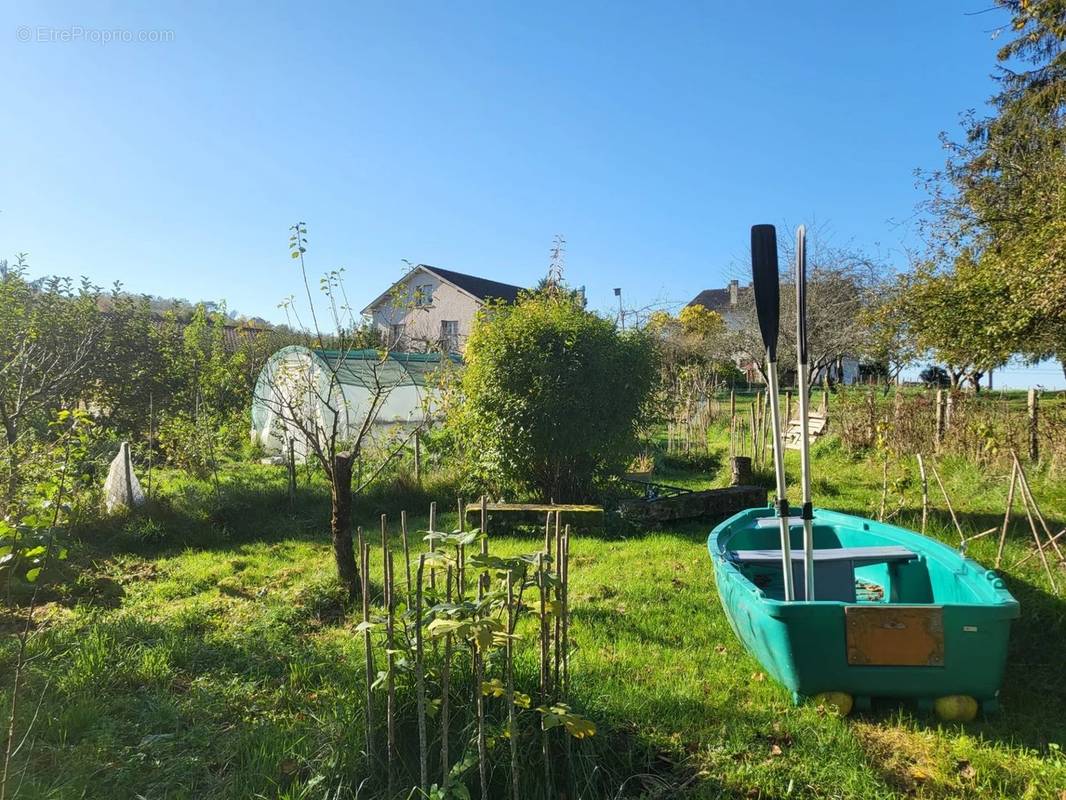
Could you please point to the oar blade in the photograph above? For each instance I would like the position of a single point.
(765, 281)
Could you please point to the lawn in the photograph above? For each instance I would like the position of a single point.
(208, 654)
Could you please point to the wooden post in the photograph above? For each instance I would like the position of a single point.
(129, 475)
(939, 418)
(925, 492)
(151, 435)
(788, 407)
(418, 458)
(1034, 441)
(292, 475)
(949, 410)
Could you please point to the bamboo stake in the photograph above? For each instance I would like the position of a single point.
(364, 555)
(479, 667)
(1039, 545)
(406, 551)
(420, 682)
(557, 624)
(390, 678)
(925, 492)
(962, 536)
(564, 602)
(1056, 537)
(1024, 481)
(754, 455)
(445, 685)
(1007, 513)
(433, 543)
(884, 489)
(542, 586)
(512, 727)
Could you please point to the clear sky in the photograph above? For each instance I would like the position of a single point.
(466, 135)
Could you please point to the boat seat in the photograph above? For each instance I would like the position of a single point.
(856, 555)
(834, 575)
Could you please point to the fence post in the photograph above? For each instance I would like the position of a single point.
(418, 459)
(939, 418)
(788, 407)
(1034, 412)
(949, 410)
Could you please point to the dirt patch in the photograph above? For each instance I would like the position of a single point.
(908, 761)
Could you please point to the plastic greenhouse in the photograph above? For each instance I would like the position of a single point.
(301, 392)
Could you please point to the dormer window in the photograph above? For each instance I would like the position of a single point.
(423, 295)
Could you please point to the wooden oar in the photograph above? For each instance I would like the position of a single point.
(801, 379)
(767, 288)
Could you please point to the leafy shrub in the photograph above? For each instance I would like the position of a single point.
(552, 398)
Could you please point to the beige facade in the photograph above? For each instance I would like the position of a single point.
(422, 312)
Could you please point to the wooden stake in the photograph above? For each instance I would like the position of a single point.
(1039, 545)
(406, 551)
(364, 551)
(1024, 481)
(545, 699)
(433, 543)
(479, 668)
(925, 492)
(939, 418)
(1034, 439)
(445, 687)
(390, 679)
(512, 726)
(1007, 513)
(420, 682)
(962, 536)
(1055, 538)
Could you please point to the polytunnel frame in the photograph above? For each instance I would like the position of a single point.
(328, 372)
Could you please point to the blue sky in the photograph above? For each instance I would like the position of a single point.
(467, 135)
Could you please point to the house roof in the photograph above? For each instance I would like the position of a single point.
(717, 299)
(479, 288)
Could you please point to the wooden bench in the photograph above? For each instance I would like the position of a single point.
(589, 516)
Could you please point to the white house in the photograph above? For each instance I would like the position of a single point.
(726, 302)
(431, 308)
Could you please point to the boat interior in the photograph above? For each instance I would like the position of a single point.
(851, 565)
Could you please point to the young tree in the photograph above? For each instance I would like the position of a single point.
(313, 408)
(552, 397)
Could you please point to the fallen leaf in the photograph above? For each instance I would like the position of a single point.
(775, 750)
(758, 676)
(720, 649)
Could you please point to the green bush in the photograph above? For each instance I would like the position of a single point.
(552, 399)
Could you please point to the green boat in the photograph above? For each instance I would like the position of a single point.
(895, 614)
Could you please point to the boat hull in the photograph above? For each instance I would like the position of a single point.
(809, 648)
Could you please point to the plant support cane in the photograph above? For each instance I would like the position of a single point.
(768, 307)
(804, 402)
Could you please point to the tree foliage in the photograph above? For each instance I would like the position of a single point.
(552, 398)
(997, 211)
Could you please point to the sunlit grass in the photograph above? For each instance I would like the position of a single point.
(227, 666)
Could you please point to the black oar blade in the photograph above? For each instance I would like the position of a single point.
(765, 282)
(801, 292)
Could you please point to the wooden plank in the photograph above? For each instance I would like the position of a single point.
(895, 635)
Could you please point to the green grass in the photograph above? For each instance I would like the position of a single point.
(208, 654)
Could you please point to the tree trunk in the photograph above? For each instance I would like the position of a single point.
(340, 523)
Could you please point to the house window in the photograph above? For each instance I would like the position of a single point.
(395, 334)
(449, 335)
(424, 294)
